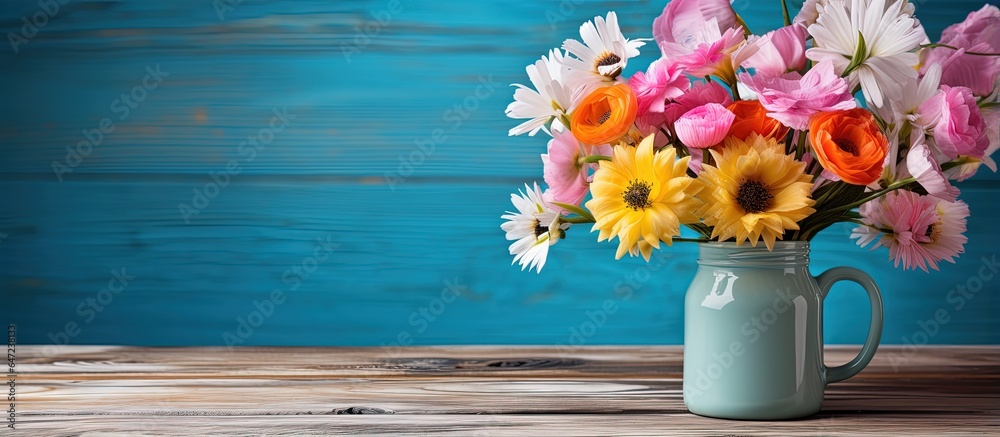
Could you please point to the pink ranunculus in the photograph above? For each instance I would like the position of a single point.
(953, 118)
(563, 171)
(792, 98)
(968, 169)
(698, 95)
(704, 126)
(980, 32)
(662, 81)
(683, 21)
(779, 51)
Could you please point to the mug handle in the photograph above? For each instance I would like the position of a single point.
(825, 281)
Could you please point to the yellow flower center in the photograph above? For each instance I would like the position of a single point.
(753, 196)
(636, 195)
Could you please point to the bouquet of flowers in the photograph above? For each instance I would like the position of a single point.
(848, 113)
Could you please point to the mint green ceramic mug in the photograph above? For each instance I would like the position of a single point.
(753, 332)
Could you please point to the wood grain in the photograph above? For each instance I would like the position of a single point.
(471, 390)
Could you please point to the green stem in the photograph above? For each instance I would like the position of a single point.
(955, 163)
(746, 29)
(596, 158)
(784, 13)
(830, 192)
(800, 149)
(702, 229)
(892, 187)
(576, 220)
(690, 240)
(789, 139)
(931, 46)
(816, 168)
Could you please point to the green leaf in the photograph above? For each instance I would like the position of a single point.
(746, 29)
(860, 55)
(576, 210)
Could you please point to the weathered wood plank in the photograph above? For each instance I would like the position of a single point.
(834, 424)
(469, 390)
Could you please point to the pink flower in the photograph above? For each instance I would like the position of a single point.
(969, 166)
(919, 231)
(792, 98)
(698, 95)
(921, 164)
(957, 125)
(652, 123)
(661, 82)
(980, 32)
(704, 126)
(712, 57)
(683, 21)
(564, 173)
(779, 51)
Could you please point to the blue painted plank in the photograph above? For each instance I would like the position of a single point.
(396, 251)
(356, 115)
(352, 122)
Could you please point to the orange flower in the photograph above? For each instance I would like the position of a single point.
(751, 117)
(849, 144)
(605, 115)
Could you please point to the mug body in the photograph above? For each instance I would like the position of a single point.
(753, 333)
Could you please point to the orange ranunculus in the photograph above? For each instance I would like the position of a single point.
(751, 117)
(849, 144)
(605, 115)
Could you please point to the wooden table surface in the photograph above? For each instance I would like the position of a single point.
(470, 390)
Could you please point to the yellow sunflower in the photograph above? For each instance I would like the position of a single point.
(642, 197)
(755, 190)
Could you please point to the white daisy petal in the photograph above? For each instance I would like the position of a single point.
(533, 228)
(549, 100)
(891, 36)
(601, 57)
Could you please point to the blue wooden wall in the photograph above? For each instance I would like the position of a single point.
(378, 188)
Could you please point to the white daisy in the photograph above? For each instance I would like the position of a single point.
(551, 99)
(810, 11)
(534, 227)
(913, 93)
(603, 54)
(890, 34)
